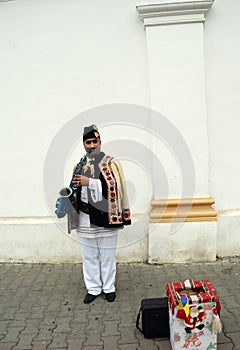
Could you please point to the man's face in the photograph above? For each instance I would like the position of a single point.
(94, 145)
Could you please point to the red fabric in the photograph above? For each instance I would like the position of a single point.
(205, 293)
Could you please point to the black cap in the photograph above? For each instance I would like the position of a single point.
(90, 132)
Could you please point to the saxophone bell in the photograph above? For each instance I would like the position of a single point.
(66, 192)
(64, 202)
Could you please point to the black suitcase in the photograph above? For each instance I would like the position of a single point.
(155, 318)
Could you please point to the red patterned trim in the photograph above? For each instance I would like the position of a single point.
(205, 293)
(114, 208)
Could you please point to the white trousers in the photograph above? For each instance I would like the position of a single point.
(99, 263)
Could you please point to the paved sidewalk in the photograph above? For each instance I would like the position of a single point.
(41, 305)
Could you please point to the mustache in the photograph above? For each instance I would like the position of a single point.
(94, 148)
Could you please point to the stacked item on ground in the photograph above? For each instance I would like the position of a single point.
(194, 310)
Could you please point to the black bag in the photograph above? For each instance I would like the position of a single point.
(155, 318)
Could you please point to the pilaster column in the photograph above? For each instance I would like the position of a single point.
(175, 44)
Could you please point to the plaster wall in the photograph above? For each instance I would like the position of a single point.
(59, 59)
(222, 54)
(184, 244)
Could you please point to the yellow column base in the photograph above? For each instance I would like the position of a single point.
(182, 209)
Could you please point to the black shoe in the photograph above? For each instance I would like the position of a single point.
(89, 298)
(110, 296)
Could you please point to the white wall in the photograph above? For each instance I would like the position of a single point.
(222, 47)
(60, 58)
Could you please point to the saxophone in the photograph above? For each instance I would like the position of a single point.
(67, 197)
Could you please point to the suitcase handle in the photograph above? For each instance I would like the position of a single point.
(138, 319)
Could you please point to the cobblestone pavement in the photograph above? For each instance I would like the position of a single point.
(41, 305)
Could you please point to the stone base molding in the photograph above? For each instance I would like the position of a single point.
(182, 209)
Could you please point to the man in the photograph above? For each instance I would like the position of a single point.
(102, 207)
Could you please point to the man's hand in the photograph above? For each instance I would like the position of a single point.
(80, 180)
